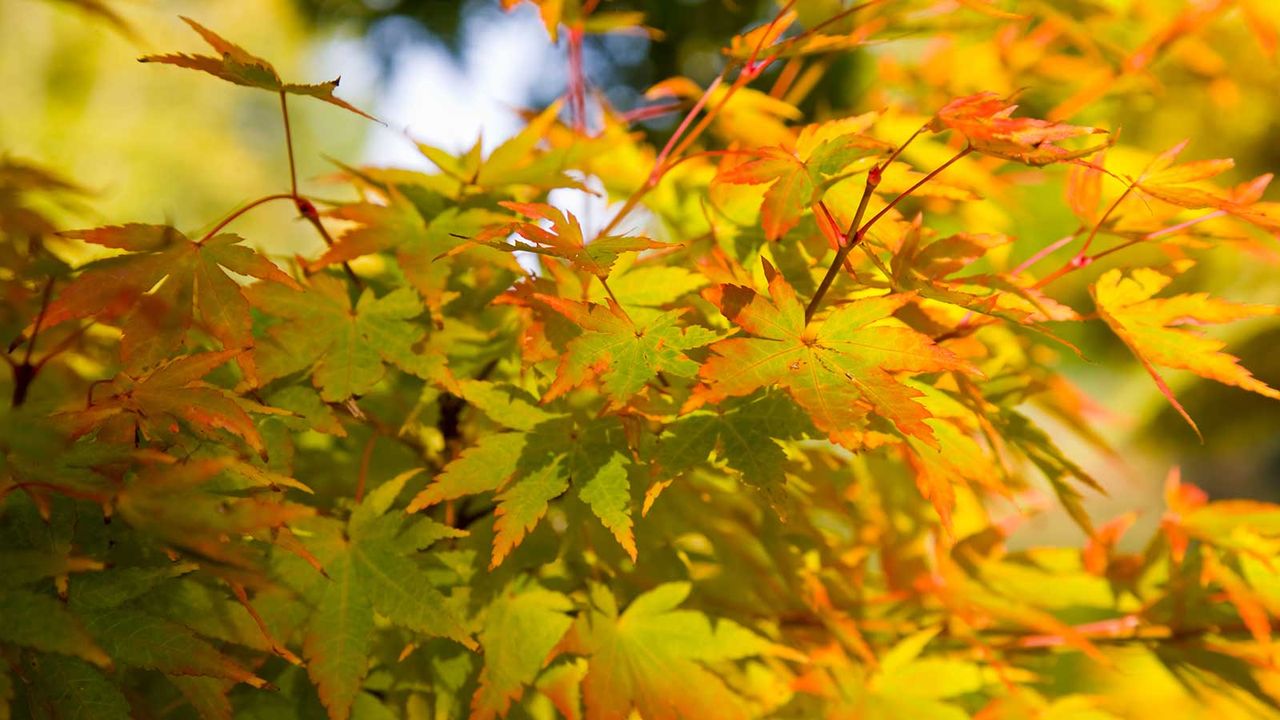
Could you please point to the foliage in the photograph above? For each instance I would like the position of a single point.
(745, 449)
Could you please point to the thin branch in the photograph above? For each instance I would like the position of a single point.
(25, 373)
(45, 296)
(906, 193)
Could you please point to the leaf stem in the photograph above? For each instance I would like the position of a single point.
(288, 143)
(615, 300)
(241, 211)
(858, 229)
(852, 238)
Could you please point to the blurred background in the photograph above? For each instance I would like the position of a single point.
(157, 144)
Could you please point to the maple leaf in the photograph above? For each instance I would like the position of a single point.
(399, 227)
(174, 503)
(113, 608)
(798, 178)
(370, 567)
(1173, 183)
(623, 355)
(550, 10)
(747, 116)
(40, 621)
(75, 690)
(984, 120)
(1055, 465)
(536, 464)
(563, 239)
(237, 66)
(1150, 327)
(839, 369)
(154, 402)
(343, 347)
(193, 286)
(653, 658)
(516, 162)
(742, 432)
(522, 627)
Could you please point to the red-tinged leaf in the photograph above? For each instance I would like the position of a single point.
(840, 369)
(378, 228)
(990, 10)
(236, 65)
(170, 501)
(789, 188)
(1099, 548)
(986, 121)
(156, 401)
(1152, 328)
(336, 645)
(1247, 601)
(194, 289)
(522, 505)
(798, 179)
(1084, 188)
(1170, 183)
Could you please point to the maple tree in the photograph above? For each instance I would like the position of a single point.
(755, 445)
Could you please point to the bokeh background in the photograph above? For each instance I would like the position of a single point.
(156, 144)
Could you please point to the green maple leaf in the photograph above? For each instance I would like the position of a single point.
(75, 690)
(344, 347)
(741, 432)
(235, 65)
(655, 659)
(370, 567)
(139, 639)
(516, 162)
(624, 356)
(39, 621)
(418, 244)
(536, 464)
(107, 604)
(194, 289)
(521, 629)
(840, 369)
(798, 177)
